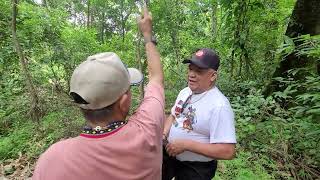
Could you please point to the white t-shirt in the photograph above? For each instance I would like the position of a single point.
(206, 118)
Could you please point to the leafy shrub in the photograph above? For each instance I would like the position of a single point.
(245, 166)
(289, 134)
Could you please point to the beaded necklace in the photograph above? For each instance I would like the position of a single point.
(102, 130)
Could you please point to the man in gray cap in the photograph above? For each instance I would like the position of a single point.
(200, 129)
(111, 147)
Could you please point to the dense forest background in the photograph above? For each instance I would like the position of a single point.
(270, 55)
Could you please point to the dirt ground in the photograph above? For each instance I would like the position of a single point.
(17, 169)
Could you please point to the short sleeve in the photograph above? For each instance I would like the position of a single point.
(222, 126)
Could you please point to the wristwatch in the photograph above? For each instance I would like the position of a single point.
(153, 40)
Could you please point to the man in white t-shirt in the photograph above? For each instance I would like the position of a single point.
(200, 129)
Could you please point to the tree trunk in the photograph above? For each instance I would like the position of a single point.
(102, 21)
(174, 26)
(124, 20)
(35, 110)
(123, 24)
(88, 14)
(214, 20)
(175, 44)
(305, 19)
(44, 3)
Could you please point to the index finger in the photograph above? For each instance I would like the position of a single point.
(145, 9)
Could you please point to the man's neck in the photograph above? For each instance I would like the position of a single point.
(202, 91)
(106, 121)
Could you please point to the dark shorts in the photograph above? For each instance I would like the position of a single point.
(187, 170)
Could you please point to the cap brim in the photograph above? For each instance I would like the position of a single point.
(136, 76)
(195, 62)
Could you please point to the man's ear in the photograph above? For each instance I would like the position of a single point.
(122, 102)
(213, 76)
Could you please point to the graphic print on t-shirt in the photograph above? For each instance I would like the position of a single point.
(189, 119)
(185, 119)
(179, 108)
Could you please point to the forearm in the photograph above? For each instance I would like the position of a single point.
(154, 64)
(153, 56)
(215, 151)
(167, 125)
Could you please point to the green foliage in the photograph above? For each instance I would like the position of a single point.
(246, 166)
(277, 135)
(289, 135)
(246, 23)
(16, 142)
(32, 139)
(308, 103)
(306, 45)
(305, 108)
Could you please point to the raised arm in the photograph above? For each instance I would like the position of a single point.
(153, 56)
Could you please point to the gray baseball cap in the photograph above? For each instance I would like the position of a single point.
(102, 79)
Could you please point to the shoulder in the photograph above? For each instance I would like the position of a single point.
(184, 91)
(153, 96)
(218, 98)
(51, 158)
(183, 94)
(55, 150)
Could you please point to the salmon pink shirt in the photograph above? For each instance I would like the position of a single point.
(133, 151)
